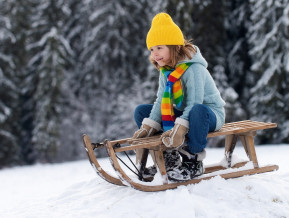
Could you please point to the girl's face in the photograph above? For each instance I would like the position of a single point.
(161, 54)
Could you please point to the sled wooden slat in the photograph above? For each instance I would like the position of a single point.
(140, 140)
(241, 127)
(150, 145)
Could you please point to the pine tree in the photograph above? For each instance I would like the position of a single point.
(75, 119)
(238, 61)
(50, 54)
(19, 13)
(9, 150)
(269, 50)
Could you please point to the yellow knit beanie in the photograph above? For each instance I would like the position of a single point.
(164, 32)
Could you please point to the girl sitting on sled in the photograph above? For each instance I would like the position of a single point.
(188, 103)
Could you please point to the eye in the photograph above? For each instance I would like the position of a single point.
(159, 47)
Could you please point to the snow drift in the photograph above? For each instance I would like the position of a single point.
(74, 190)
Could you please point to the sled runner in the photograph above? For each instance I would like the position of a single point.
(244, 130)
(89, 147)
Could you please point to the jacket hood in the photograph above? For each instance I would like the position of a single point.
(197, 58)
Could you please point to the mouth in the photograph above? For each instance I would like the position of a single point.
(159, 59)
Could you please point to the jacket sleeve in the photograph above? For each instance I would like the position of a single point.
(156, 114)
(194, 90)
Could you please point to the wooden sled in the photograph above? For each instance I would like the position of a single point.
(90, 147)
(244, 130)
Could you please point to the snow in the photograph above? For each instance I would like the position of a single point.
(74, 190)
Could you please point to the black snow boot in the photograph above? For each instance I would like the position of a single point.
(172, 160)
(149, 172)
(191, 167)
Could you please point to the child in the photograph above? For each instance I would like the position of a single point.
(188, 102)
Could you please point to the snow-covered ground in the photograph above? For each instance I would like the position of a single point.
(74, 190)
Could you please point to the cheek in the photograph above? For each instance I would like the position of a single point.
(167, 53)
(168, 56)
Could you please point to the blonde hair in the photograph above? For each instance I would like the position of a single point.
(178, 53)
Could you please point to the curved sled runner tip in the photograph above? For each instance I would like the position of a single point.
(95, 165)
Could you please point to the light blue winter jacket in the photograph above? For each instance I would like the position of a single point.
(198, 88)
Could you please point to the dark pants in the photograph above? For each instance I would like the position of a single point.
(202, 120)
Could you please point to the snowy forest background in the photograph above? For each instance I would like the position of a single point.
(69, 67)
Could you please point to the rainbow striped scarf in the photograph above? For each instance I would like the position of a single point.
(173, 93)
